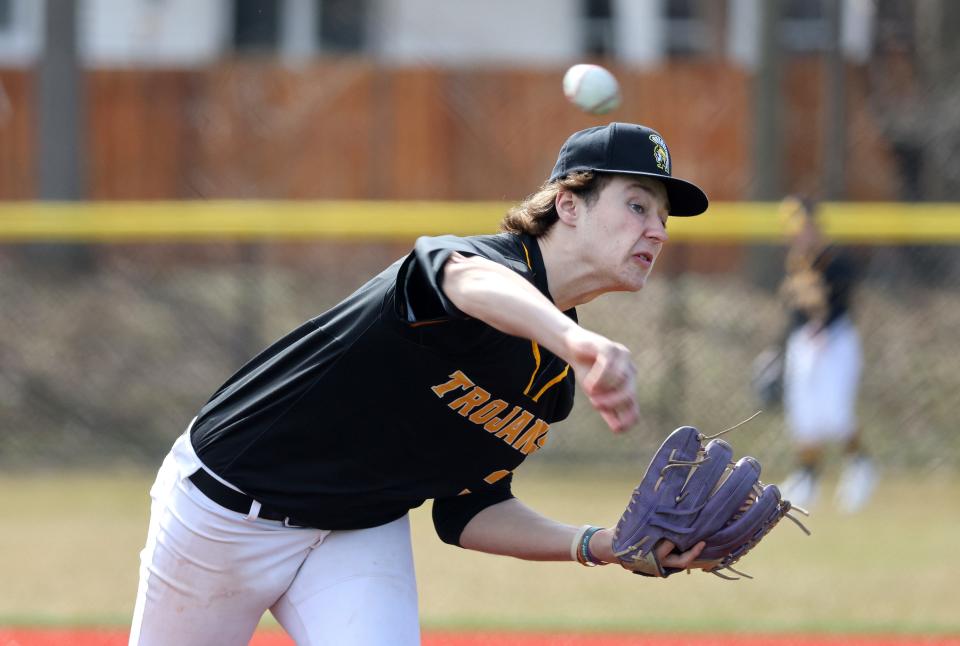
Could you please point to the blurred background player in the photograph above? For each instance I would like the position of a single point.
(822, 362)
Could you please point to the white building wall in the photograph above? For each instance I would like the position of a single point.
(170, 33)
(639, 31)
(21, 40)
(467, 32)
(743, 35)
(859, 17)
(185, 33)
(298, 42)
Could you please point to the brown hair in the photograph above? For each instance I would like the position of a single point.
(537, 214)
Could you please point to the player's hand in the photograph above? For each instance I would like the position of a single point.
(668, 558)
(607, 376)
(666, 552)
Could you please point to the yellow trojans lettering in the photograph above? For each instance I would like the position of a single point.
(517, 427)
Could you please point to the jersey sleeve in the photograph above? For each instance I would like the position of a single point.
(840, 276)
(420, 283)
(451, 515)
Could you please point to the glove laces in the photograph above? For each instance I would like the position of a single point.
(727, 430)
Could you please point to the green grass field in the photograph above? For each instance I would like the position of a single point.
(69, 546)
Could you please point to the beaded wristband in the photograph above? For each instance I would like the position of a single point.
(575, 544)
(584, 557)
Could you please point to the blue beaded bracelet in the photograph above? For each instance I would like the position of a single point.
(583, 552)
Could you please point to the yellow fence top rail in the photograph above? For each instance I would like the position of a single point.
(25, 222)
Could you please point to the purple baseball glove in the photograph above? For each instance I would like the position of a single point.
(694, 492)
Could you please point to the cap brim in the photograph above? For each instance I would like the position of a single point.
(686, 198)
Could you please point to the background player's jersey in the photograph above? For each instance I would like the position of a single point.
(818, 287)
(389, 398)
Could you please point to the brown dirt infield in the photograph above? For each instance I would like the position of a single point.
(85, 637)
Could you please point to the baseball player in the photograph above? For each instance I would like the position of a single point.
(822, 363)
(290, 489)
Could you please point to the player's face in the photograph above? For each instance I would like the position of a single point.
(624, 230)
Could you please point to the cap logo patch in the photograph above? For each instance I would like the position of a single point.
(660, 154)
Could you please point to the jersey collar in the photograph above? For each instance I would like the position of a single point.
(534, 260)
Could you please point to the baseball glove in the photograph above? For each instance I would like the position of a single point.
(694, 492)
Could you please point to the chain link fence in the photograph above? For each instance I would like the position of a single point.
(108, 350)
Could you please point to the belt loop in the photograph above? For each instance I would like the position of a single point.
(254, 512)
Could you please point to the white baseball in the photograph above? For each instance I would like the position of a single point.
(591, 88)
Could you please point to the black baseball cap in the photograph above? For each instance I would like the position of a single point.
(630, 149)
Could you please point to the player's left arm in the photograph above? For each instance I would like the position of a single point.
(510, 528)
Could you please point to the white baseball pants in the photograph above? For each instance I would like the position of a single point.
(821, 379)
(208, 574)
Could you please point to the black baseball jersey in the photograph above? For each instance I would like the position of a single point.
(831, 270)
(390, 398)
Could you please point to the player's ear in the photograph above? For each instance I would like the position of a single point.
(566, 205)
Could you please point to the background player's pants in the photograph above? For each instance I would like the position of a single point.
(208, 574)
(820, 381)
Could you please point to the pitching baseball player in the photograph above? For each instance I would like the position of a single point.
(289, 491)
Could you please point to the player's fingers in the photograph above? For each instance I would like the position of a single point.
(616, 393)
(594, 377)
(619, 399)
(612, 369)
(663, 549)
(630, 415)
(683, 560)
(619, 407)
(622, 418)
(613, 378)
(613, 421)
